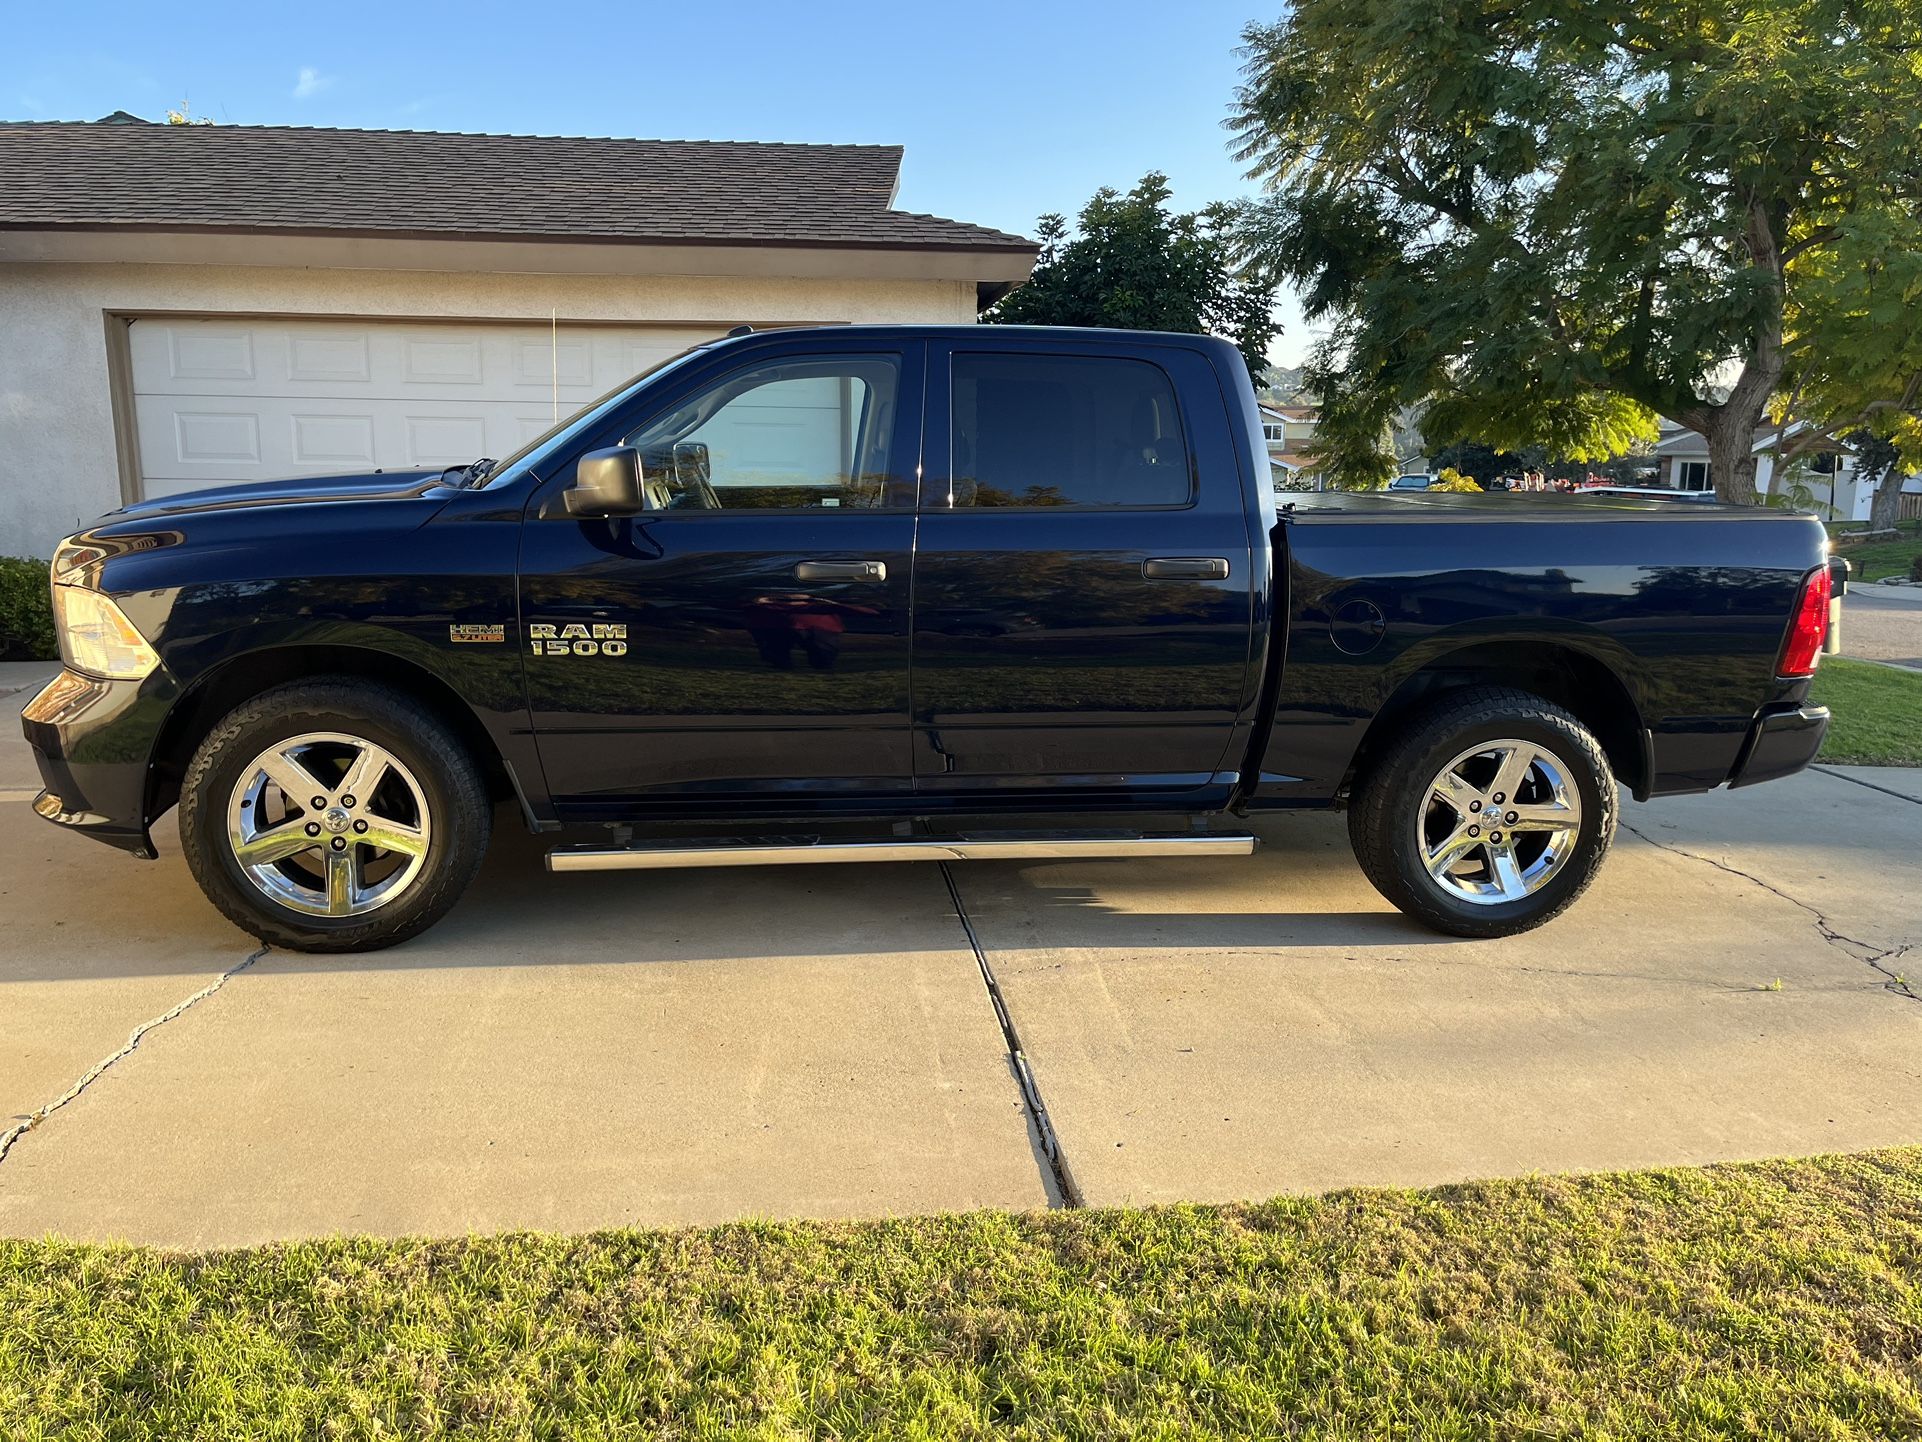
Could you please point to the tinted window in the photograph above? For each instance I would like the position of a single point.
(1065, 431)
(806, 434)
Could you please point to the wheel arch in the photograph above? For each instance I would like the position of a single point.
(240, 678)
(1568, 674)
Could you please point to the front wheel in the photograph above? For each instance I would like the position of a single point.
(1488, 817)
(335, 815)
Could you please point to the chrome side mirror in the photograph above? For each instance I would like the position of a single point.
(607, 483)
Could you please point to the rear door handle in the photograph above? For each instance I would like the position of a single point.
(1185, 568)
(841, 571)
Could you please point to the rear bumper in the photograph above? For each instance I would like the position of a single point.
(1781, 744)
(92, 740)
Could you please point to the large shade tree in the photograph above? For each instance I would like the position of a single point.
(1132, 263)
(1553, 221)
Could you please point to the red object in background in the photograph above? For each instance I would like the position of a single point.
(1810, 627)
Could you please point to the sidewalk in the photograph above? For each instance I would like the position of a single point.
(23, 677)
(1883, 623)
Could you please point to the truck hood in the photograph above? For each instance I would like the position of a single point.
(308, 490)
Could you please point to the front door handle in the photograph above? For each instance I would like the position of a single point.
(841, 571)
(1185, 568)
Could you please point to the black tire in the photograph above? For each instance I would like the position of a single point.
(448, 778)
(1393, 795)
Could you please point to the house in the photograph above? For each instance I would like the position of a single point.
(1829, 475)
(1288, 428)
(186, 305)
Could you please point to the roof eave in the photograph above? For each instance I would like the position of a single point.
(998, 244)
(994, 265)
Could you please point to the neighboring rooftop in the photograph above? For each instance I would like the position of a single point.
(1679, 440)
(119, 174)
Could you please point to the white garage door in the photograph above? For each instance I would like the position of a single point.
(220, 401)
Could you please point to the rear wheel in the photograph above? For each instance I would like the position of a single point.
(333, 816)
(1489, 816)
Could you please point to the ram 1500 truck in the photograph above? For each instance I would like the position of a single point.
(888, 593)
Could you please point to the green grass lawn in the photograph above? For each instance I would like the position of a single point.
(1775, 1299)
(1876, 713)
(1879, 560)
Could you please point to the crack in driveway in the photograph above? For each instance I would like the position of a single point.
(99, 1068)
(1865, 952)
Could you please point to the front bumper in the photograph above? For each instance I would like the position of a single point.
(92, 740)
(1781, 744)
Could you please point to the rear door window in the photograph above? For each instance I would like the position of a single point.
(1065, 432)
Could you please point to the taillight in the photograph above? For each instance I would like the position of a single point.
(1803, 645)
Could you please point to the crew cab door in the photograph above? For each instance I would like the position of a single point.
(1084, 594)
(746, 639)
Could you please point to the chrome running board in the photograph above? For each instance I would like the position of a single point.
(999, 848)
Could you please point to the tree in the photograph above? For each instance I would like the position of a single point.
(1876, 459)
(1133, 264)
(1555, 222)
(1478, 461)
(1869, 395)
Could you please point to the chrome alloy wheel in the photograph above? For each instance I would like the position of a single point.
(1499, 821)
(328, 824)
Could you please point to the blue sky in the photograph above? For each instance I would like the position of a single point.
(1006, 110)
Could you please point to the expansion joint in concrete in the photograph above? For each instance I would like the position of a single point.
(1063, 1188)
(1858, 781)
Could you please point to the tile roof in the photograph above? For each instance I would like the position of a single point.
(429, 183)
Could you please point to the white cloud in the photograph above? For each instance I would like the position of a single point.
(310, 82)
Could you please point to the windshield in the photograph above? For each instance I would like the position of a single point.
(557, 436)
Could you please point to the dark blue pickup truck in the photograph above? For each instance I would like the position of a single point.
(885, 594)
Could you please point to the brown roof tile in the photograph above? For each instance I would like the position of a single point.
(245, 177)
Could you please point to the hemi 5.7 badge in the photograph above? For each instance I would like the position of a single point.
(577, 639)
(468, 635)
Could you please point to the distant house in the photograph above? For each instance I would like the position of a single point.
(1288, 428)
(1830, 475)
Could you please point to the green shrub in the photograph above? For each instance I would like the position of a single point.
(1915, 568)
(26, 611)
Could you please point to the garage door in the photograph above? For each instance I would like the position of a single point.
(221, 401)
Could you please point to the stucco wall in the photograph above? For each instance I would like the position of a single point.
(58, 466)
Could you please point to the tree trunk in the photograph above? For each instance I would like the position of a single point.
(1731, 426)
(1731, 456)
(1888, 500)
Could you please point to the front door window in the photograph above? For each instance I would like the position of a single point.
(806, 435)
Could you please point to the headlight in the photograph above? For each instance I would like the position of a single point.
(97, 638)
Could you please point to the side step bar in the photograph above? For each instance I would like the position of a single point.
(651, 858)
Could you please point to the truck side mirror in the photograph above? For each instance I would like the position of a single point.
(691, 465)
(607, 483)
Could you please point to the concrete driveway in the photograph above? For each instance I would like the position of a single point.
(588, 1051)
